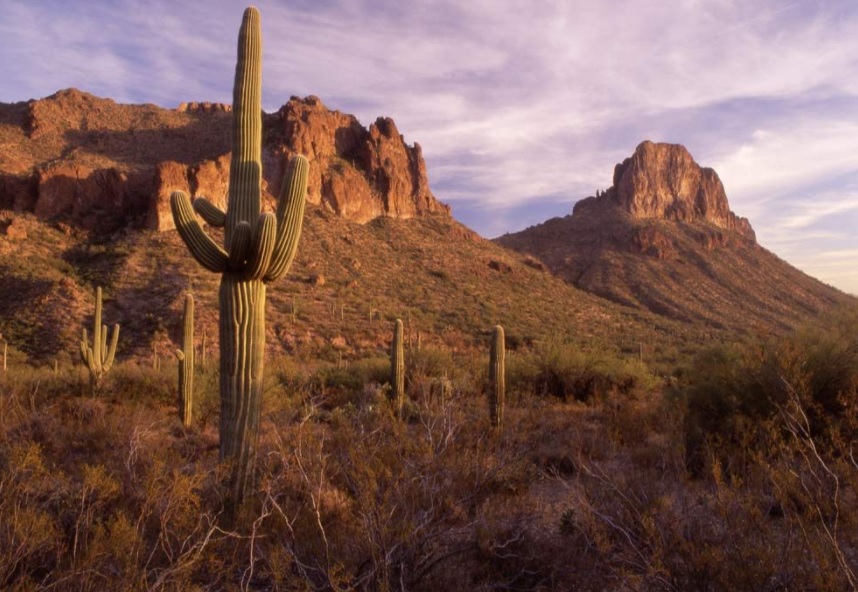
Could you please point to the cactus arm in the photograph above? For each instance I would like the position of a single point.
(90, 361)
(203, 248)
(239, 248)
(111, 350)
(180, 355)
(84, 346)
(290, 217)
(264, 236)
(213, 215)
(103, 349)
(97, 332)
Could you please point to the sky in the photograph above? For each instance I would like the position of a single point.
(522, 107)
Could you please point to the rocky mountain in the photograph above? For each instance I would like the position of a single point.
(657, 259)
(663, 238)
(83, 189)
(97, 164)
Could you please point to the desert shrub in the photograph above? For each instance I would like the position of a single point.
(735, 391)
(567, 371)
(143, 384)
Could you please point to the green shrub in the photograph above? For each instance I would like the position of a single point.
(567, 371)
(735, 391)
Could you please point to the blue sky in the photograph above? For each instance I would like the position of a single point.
(521, 106)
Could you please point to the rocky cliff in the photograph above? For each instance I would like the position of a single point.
(663, 181)
(99, 165)
(662, 238)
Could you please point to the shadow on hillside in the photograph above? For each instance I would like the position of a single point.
(30, 320)
(204, 137)
(14, 114)
(96, 264)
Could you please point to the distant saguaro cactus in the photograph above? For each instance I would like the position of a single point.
(258, 249)
(98, 358)
(397, 368)
(186, 363)
(497, 377)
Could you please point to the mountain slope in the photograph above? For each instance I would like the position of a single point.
(348, 281)
(663, 239)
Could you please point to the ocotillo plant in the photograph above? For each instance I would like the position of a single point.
(497, 378)
(98, 358)
(397, 368)
(186, 363)
(258, 249)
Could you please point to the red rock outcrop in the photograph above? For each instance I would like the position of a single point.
(663, 181)
(358, 173)
(99, 164)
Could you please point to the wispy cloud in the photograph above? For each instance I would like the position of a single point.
(521, 107)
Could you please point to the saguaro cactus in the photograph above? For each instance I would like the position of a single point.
(98, 358)
(186, 363)
(497, 378)
(397, 368)
(258, 249)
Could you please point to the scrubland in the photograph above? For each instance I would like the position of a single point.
(734, 471)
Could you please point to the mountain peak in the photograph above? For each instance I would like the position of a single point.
(663, 181)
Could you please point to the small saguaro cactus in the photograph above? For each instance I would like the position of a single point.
(186, 363)
(258, 249)
(98, 358)
(397, 368)
(497, 378)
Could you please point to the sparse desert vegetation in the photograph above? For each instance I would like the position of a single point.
(739, 475)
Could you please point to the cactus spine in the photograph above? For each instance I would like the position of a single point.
(397, 368)
(186, 363)
(98, 358)
(497, 378)
(258, 249)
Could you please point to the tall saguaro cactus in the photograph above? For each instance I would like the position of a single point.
(186, 363)
(397, 368)
(258, 249)
(98, 358)
(497, 377)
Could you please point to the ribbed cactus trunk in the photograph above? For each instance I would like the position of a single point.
(397, 368)
(242, 353)
(259, 248)
(497, 378)
(186, 364)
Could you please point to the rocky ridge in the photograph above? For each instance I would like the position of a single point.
(97, 164)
